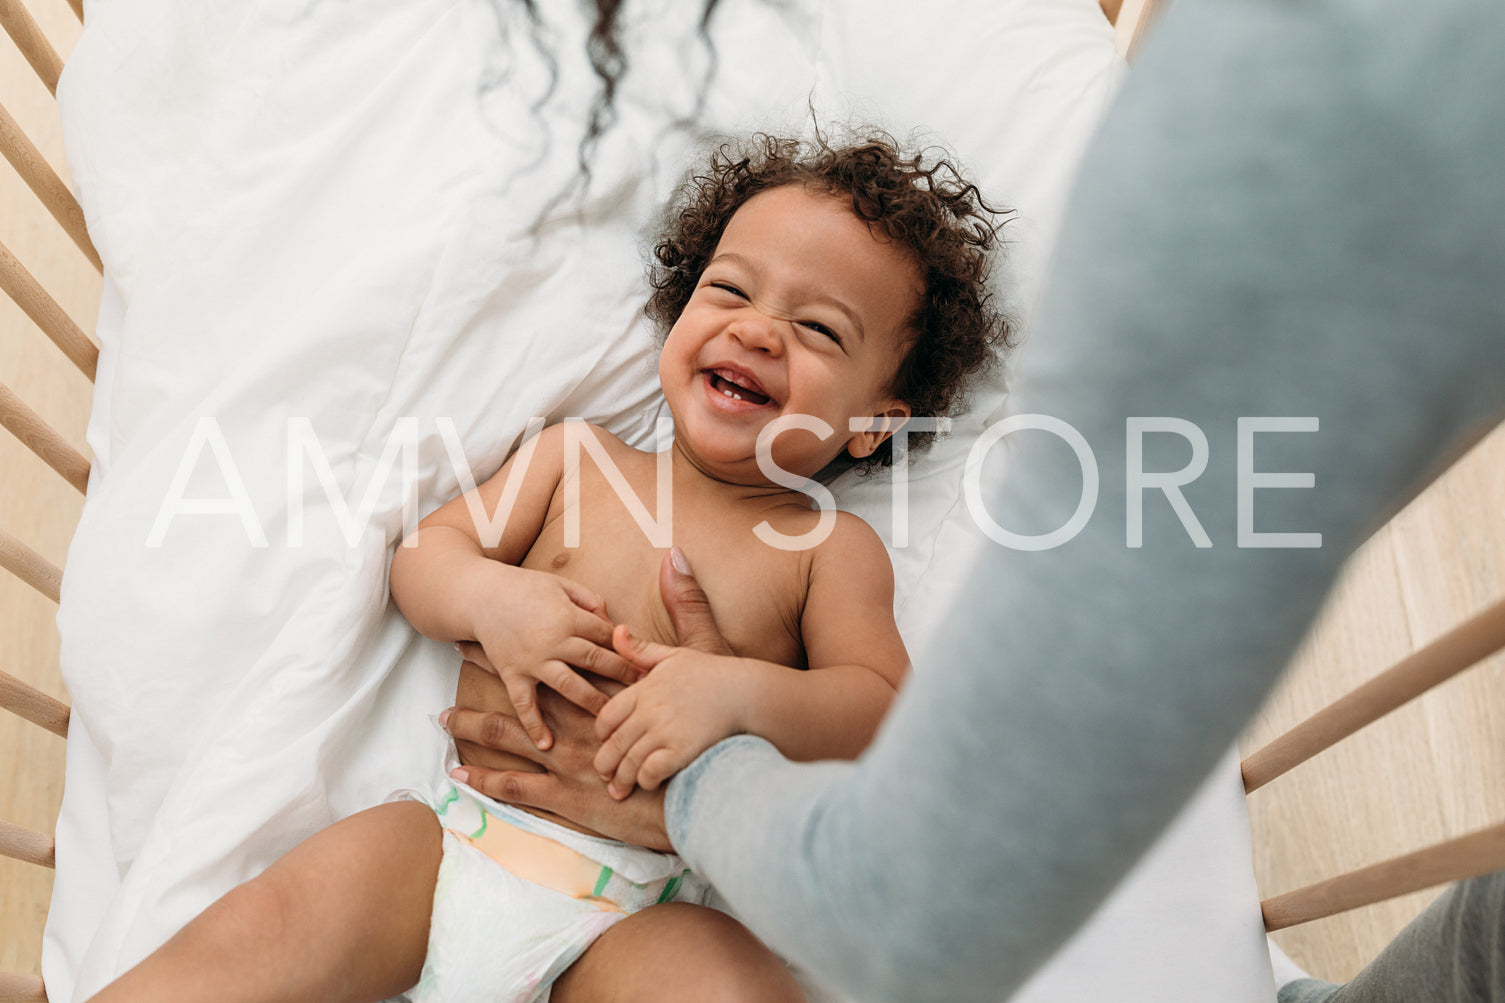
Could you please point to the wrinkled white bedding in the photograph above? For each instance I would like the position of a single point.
(320, 210)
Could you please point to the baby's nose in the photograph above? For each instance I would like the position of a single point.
(757, 332)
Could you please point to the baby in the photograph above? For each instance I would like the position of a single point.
(818, 297)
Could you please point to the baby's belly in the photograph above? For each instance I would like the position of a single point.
(480, 690)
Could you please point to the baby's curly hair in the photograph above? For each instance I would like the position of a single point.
(919, 199)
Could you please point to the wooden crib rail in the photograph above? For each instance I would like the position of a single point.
(32, 704)
(24, 844)
(27, 35)
(42, 439)
(46, 185)
(44, 311)
(1481, 852)
(1131, 21)
(44, 182)
(1460, 648)
(21, 989)
(29, 566)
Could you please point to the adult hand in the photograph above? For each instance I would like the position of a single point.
(689, 608)
(570, 786)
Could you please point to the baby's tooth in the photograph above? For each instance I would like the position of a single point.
(736, 396)
(727, 392)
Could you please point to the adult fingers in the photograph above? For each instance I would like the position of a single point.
(523, 693)
(583, 654)
(491, 730)
(689, 607)
(638, 819)
(571, 685)
(535, 790)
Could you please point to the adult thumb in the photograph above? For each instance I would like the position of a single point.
(689, 609)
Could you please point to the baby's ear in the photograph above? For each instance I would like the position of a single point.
(870, 433)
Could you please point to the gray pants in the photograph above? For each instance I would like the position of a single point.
(1454, 952)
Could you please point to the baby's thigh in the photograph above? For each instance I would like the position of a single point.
(673, 952)
(343, 915)
(356, 897)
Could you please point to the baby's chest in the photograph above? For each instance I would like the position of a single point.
(756, 592)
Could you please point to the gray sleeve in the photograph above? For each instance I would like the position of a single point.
(1293, 211)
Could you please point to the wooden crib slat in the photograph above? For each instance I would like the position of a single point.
(1450, 654)
(23, 30)
(42, 439)
(43, 310)
(21, 989)
(35, 706)
(1131, 22)
(29, 566)
(49, 188)
(78, 8)
(25, 844)
(1481, 852)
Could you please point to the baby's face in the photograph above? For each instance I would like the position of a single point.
(801, 311)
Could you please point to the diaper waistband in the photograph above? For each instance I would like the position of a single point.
(546, 861)
(465, 811)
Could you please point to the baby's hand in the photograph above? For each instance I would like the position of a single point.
(657, 726)
(539, 629)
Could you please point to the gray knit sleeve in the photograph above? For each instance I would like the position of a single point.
(1295, 253)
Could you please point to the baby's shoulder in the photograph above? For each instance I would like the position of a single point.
(852, 539)
(846, 545)
(566, 441)
(575, 431)
(851, 565)
(814, 530)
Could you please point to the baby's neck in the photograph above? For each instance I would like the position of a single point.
(691, 477)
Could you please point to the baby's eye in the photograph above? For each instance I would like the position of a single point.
(821, 329)
(728, 287)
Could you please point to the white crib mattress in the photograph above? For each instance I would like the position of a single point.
(319, 212)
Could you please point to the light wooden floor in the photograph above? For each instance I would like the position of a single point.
(1431, 771)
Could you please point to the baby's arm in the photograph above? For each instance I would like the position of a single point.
(691, 700)
(453, 585)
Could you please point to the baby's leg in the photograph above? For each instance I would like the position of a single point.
(677, 952)
(343, 916)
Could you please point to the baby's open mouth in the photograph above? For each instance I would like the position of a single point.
(725, 382)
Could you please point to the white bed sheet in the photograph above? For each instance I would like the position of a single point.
(313, 210)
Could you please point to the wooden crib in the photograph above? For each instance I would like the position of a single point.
(1416, 777)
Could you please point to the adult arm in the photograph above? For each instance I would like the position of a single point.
(1266, 227)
